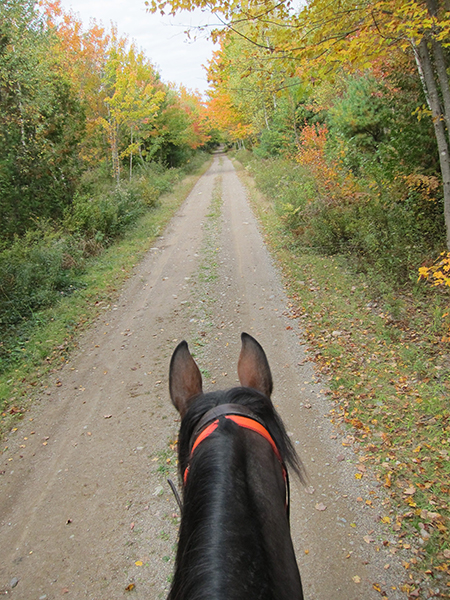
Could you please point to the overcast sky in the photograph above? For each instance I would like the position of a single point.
(162, 39)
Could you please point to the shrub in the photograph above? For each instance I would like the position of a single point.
(102, 211)
(106, 216)
(35, 270)
(387, 238)
(154, 179)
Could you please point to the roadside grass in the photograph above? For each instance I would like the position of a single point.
(166, 467)
(386, 360)
(166, 461)
(48, 339)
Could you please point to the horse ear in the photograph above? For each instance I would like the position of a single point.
(253, 366)
(185, 380)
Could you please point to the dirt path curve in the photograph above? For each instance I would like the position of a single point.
(84, 508)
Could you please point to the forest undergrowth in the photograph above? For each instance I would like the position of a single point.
(383, 349)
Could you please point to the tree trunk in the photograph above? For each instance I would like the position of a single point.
(429, 84)
(131, 152)
(441, 66)
(22, 127)
(294, 121)
(441, 70)
(266, 119)
(116, 162)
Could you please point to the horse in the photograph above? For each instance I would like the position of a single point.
(233, 451)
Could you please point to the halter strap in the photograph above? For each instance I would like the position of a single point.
(247, 423)
(219, 411)
(243, 417)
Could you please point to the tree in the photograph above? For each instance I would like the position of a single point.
(41, 121)
(325, 37)
(133, 100)
(246, 92)
(82, 56)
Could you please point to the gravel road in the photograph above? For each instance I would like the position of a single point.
(84, 508)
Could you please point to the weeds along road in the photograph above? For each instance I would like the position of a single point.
(85, 508)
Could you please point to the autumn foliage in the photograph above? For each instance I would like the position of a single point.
(333, 184)
(76, 99)
(437, 274)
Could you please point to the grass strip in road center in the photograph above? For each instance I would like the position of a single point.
(207, 273)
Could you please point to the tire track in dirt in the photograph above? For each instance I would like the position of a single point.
(85, 512)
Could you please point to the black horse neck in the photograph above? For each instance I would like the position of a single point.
(234, 537)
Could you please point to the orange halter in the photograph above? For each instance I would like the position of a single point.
(247, 423)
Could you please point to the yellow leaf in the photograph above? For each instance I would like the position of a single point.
(139, 563)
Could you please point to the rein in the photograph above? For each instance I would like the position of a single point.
(243, 417)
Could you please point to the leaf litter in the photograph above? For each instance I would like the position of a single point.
(389, 384)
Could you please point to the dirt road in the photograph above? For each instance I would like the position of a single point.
(85, 510)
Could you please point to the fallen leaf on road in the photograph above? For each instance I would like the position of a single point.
(357, 579)
(320, 506)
